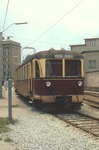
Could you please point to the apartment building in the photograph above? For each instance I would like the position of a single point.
(11, 57)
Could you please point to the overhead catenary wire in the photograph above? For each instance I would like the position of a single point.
(6, 15)
(55, 24)
(41, 35)
(31, 40)
(46, 31)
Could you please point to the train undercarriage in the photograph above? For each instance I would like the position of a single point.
(59, 103)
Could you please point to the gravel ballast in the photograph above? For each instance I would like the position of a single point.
(36, 130)
(40, 131)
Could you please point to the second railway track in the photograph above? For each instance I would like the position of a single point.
(81, 121)
(91, 98)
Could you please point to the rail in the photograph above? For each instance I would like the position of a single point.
(86, 123)
(91, 98)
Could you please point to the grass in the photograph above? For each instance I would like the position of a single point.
(15, 105)
(0, 138)
(4, 124)
(7, 139)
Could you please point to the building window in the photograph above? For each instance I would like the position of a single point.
(7, 66)
(92, 63)
(4, 59)
(7, 53)
(4, 66)
(4, 53)
(7, 59)
(4, 74)
(7, 47)
(92, 42)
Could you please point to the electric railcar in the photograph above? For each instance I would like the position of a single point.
(52, 77)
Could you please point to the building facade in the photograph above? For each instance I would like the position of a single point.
(90, 52)
(11, 57)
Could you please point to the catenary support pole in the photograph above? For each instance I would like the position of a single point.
(10, 100)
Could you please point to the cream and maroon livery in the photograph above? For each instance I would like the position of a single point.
(52, 76)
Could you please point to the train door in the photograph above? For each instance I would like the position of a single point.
(37, 70)
(35, 75)
(29, 79)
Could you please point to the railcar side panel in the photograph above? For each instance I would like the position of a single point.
(22, 88)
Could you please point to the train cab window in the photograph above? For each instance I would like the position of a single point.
(72, 68)
(37, 71)
(53, 68)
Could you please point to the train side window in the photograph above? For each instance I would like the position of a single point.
(37, 70)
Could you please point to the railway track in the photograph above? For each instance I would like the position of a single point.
(92, 98)
(81, 121)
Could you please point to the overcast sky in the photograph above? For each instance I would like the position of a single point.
(80, 23)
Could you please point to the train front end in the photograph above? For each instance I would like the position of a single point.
(62, 80)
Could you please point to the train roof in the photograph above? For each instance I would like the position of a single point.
(52, 53)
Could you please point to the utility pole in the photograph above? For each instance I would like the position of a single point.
(10, 100)
(0, 64)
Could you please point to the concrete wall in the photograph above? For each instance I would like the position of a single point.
(78, 48)
(91, 44)
(94, 55)
(92, 80)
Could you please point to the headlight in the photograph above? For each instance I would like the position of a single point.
(48, 83)
(80, 83)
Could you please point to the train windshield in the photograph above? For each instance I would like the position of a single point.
(54, 68)
(72, 68)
